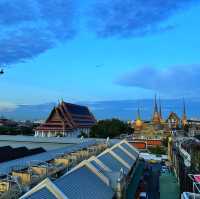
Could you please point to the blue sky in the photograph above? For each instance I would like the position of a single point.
(93, 51)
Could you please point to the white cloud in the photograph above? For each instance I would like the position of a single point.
(176, 81)
(7, 106)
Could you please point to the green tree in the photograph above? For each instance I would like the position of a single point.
(165, 141)
(10, 130)
(158, 150)
(109, 128)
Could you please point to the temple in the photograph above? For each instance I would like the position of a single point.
(67, 120)
(158, 127)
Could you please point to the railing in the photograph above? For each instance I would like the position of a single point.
(186, 156)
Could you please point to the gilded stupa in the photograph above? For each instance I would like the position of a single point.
(138, 124)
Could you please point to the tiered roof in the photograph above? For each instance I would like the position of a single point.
(67, 116)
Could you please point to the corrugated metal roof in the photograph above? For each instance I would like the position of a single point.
(43, 193)
(111, 175)
(130, 149)
(112, 163)
(59, 140)
(83, 184)
(97, 166)
(123, 155)
(21, 163)
(64, 140)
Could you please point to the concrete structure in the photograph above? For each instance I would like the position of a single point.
(193, 127)
(185, 155)
(145, 143)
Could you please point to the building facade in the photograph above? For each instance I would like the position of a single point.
(67, 120)
(194, 128)
(185, 154)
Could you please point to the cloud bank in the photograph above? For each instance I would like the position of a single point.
(126, 18)
(31, 27)
(7, 106)
(173, 81)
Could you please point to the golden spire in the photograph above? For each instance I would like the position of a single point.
(155, 105)
(160, 109)
(156, 116)
(138, 114)
(184, 118)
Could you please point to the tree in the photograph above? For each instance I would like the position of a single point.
(109, 128)
(158, 150)
(165, 141)
(14, 130)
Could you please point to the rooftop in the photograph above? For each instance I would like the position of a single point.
(67, 116)
(6, 167)
(169, 187)
(95, 178)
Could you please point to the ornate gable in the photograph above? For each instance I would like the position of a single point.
(54, 116)
(173, 116)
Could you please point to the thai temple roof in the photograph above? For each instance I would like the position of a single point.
(174, 115)
(67, 116)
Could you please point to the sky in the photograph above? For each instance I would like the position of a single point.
(98, 50)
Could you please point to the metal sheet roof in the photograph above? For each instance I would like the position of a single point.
(58, 140)
(97, 166)
(112, 176)
(64, 140)
(124, 156)
(21, 163)
(112, 163)
(83, 184)
(43, 193)
(130, 149)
